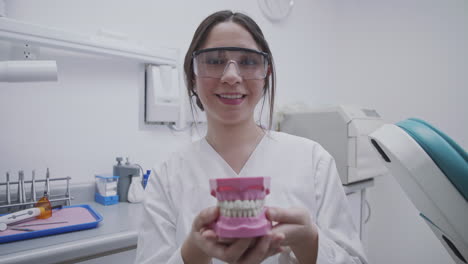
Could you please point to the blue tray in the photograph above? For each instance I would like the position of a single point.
(57, 230)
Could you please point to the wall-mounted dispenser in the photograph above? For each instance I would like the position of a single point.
(162, 100)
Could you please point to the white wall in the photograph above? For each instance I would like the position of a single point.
(404, 58)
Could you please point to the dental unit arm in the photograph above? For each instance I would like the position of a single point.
(433, 171)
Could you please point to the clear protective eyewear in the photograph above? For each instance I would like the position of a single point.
(213, 62)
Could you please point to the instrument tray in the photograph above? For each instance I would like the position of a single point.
(72, 218)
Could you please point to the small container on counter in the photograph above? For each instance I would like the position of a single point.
(106, 189)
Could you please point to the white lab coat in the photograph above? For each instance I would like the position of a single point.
(302, 174)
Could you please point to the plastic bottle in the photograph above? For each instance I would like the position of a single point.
(145, 178)
(136, 193)
(125, 173)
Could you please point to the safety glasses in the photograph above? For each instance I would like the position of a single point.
(213, 62)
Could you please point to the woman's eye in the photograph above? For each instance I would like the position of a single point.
(214, 61)
(248, 61)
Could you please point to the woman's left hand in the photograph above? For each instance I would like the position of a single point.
(300, 234)
(262, 248)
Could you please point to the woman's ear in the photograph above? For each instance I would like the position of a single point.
(194, 87)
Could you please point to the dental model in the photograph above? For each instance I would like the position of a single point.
(241, 203)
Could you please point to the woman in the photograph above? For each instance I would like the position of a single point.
(229, 69)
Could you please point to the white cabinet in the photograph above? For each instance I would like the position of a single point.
(355, 203)
(360, 210)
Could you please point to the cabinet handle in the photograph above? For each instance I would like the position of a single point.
(368, 210)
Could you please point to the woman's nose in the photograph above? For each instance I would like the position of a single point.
(231, 73)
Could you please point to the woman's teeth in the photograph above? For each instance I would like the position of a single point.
(231, 96)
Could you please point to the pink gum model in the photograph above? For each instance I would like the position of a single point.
(232, 189)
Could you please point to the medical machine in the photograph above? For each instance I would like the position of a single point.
(433, 171)
(343, 131)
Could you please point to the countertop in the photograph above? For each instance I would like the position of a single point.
(115, 233)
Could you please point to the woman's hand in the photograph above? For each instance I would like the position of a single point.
(262, 248)
(202, 244)
(300, 234)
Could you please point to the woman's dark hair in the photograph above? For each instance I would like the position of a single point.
(199, 39)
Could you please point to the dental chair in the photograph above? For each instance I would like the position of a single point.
(433, 171)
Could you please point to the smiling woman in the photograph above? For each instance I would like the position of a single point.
(229, 69)
(215, 63)
(235, 87)
(239, 38)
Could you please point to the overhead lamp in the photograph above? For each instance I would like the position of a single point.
(28, 71)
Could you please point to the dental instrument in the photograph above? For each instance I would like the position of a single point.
(21, 229)
(20, 187)
(67, 192)
(37, 212)
(4, 226)
(50, 223)
(241, 203)
(33, 186)
(47, 187)
(23, 188)
(8, 188)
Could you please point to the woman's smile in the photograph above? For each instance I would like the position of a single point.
(231, 98)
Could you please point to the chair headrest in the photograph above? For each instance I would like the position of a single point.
(451, 159)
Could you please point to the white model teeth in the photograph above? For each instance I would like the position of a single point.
(238, 208)
(231, 96)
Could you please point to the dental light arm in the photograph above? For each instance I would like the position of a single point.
(28, 71)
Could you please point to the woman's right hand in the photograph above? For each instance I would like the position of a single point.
(202, 244)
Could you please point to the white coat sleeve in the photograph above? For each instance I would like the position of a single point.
(157, 231)
(339, 240)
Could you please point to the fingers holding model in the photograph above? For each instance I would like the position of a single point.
(203, 244)
(236, 231)
(300, 233)
(265, 247)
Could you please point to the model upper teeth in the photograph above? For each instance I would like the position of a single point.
(231, 96)
(238, 208)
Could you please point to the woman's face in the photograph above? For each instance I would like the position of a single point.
(229, 99)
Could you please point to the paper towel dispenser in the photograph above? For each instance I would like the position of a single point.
(342, 131)
(162, 102)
